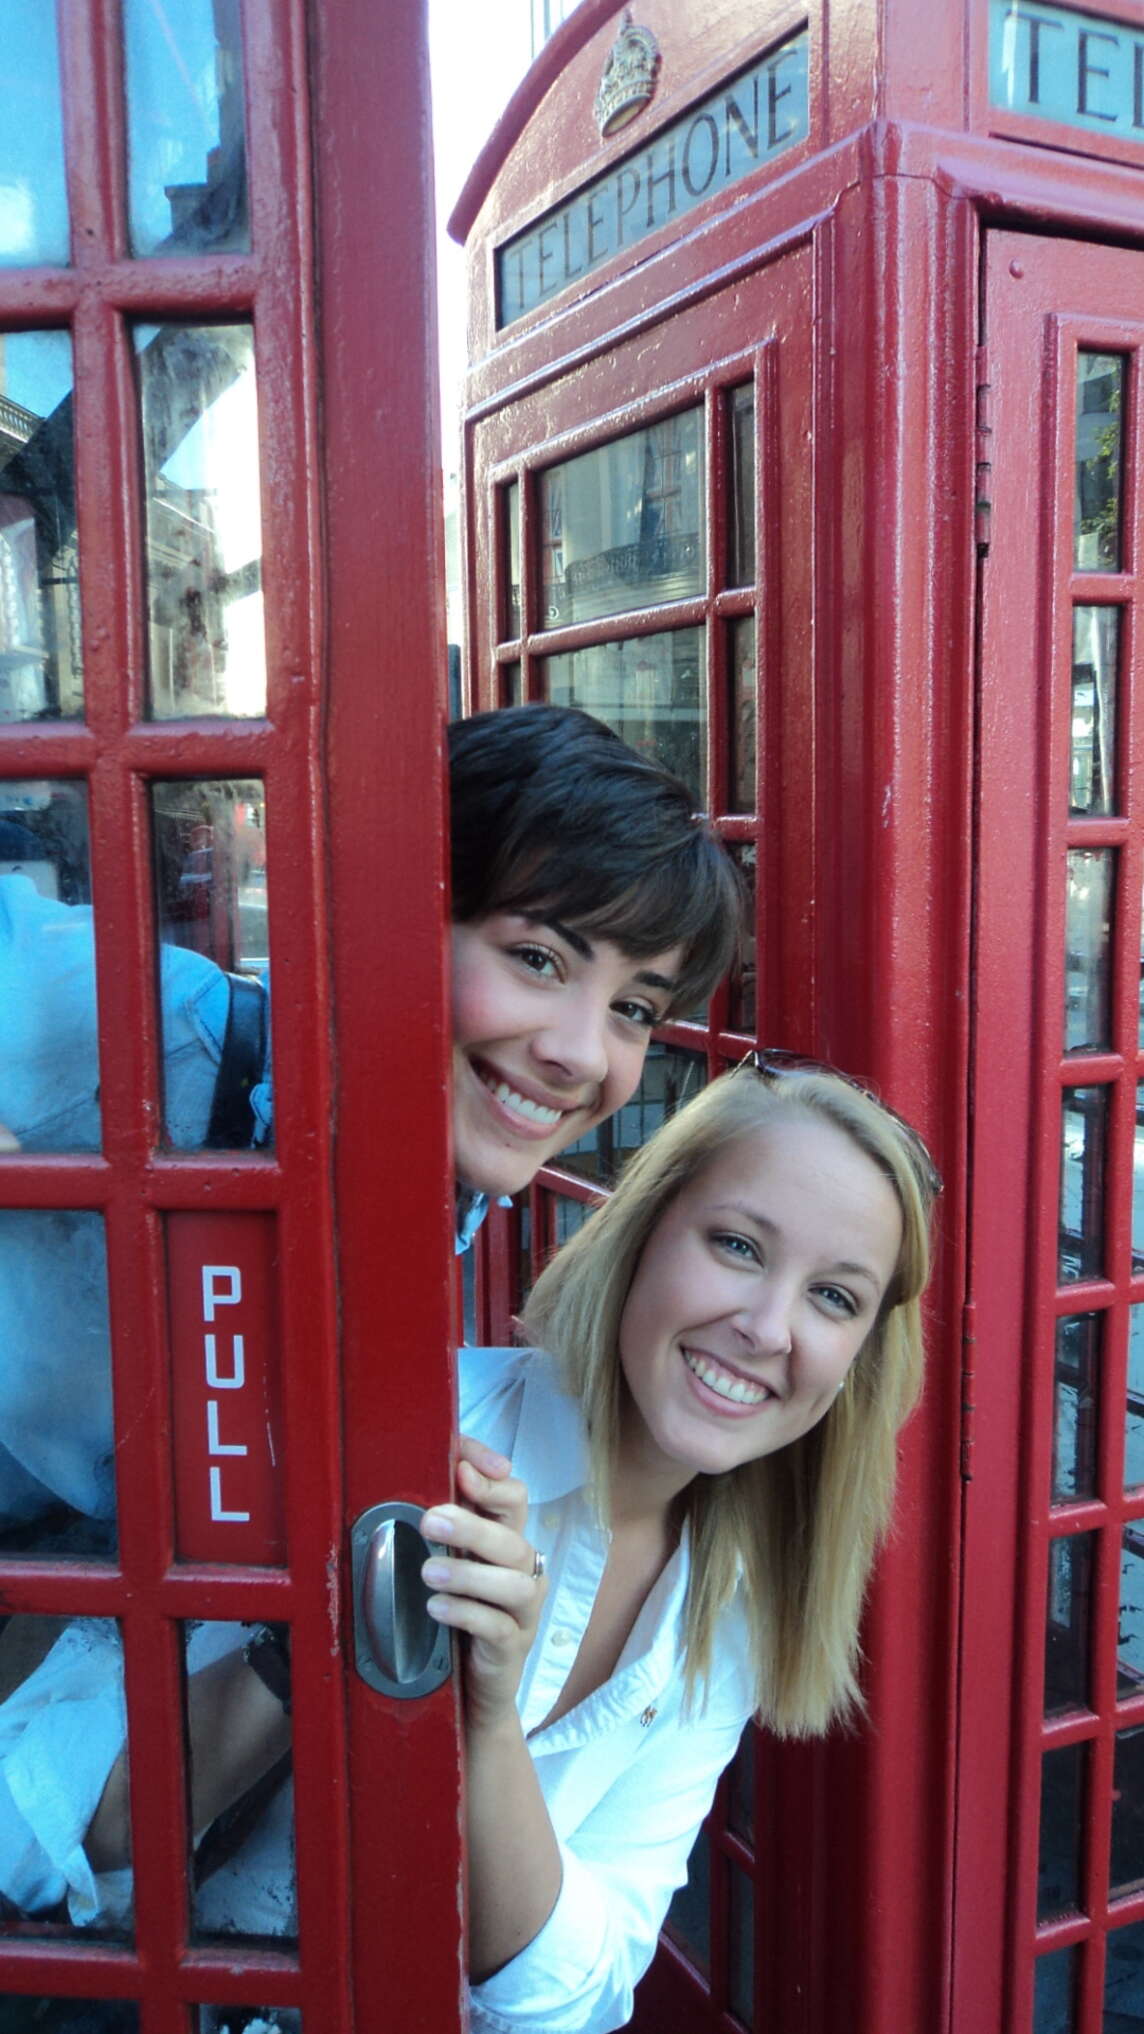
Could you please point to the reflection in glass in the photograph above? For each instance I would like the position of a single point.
(742, 990)
(1084, 1131)
(670, 1077)
(1124, 1980)
(41, 671)
(1075, 1406)
(510, 499)
(1058, 1866)
(741, 1789)
(1127, 1860)
(33, 197)
(649, 689)
(62, 1739)
(622, 526)
(1099, 430)
(1088, 939)
(512, 687)
(204, 529)
(741, 1946)
(242, 1808)
(186, 142)
(568, 1216)
(57, 1463)
(689, 1915)
(742, 531)
(1096, 662)
(1134, 1406)
(22, 2014)
(1138, 1183)
(1130, 1626)
(1067, 1623)
(210, 883)
(248, 2020)
(1055, 1992)
(744, 715)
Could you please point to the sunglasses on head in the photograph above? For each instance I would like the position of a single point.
(772, 1065)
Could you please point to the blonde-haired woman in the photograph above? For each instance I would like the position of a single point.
(667, 1515)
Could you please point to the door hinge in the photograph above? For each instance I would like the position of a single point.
(983, 455)
(968, 1387)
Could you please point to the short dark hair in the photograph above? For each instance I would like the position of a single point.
(552, 813)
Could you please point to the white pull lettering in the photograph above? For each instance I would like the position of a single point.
(215, 1445)
(217, 1512)
(215, 1293)
(215, 1379)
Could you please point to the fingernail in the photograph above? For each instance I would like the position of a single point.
(435, 1525)
(435, 1573)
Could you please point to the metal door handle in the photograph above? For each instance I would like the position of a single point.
(399, 1649)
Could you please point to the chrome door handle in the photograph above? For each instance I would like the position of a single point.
(399, 1649)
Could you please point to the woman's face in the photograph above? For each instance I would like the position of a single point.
(752, 1298)
(550, 1031)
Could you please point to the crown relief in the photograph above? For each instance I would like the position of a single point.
(629, 77)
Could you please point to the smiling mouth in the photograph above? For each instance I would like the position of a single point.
(536, 1114)
(724, 1383)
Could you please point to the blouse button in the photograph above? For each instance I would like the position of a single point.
(563, 1639)
(550, 1520)
(648, 1716)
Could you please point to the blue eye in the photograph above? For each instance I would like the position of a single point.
(736, 1246)
(836, 1297)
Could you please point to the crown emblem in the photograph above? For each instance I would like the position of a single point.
(629, 77)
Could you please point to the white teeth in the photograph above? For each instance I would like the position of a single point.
(721, 1381)
(533, 1112)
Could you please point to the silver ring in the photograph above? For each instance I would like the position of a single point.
(539, 1564)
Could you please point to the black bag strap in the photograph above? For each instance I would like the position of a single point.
(240, 1068)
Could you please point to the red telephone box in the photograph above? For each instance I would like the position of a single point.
(803, 442)
(222, 677)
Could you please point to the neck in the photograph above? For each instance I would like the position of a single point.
(645, 1484)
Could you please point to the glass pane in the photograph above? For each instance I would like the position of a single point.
(744, 715)
(1056, 1990)
(49, 1068)
(1134, 1407)
(1138, 1183)
(1099, 427)
(204, 529)
(1095, 668)
(1088, 941)
(186, 140)
(741, 1946)
(57, 1460)
(41, 672)
(622, 527)
(1075, 1406)
(1124, 1981)
(1067, 1623)
(1127, 1864)
(689, 1915)
(1130, 1630)
(64, 1825)
(741, 1791)
(510, 499)
(742, 532)
(33, 197)
(242, 1793)
(742, 998)
(210, 882)
(1084, 1126)
(670, 1077)
(21, 2015)
(512, 687)
(1058, 1870)
(568, 1216)
(649, 689)
(248, 2020)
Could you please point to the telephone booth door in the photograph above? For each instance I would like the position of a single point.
(1055, 1504)
(225, 1214)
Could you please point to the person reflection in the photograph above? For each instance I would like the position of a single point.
(590, 905)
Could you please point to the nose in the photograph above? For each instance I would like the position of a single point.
(765, 1323)
(575, 1039)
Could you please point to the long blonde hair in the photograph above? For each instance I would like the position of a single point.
(796, 1531)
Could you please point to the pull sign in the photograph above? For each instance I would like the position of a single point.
(399, 1649)
(224, 1388)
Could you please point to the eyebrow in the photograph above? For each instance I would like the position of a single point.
(769, 1228)
(646, 977)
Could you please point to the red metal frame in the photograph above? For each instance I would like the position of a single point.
(356, 699)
